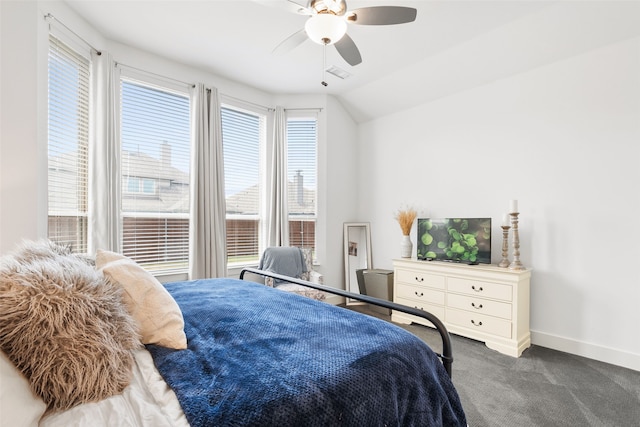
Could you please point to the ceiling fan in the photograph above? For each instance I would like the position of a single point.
(328, 19)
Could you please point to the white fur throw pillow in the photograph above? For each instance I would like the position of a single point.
(159, 318)
(64, 326)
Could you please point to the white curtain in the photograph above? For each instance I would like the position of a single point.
(104, 156)
(207, 250)
(277, 214)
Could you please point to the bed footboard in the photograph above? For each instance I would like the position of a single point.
(446, 356)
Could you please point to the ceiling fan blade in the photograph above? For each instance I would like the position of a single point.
(291, 42)
(382, 15)
(299, 7)
(348, 50)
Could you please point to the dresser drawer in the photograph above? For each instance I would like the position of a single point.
(415, 277)
(479, 305)
(480, 289)
(436, 310)
(419, 294)
(479, 322)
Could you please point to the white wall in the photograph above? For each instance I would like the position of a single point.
(340, 187)
(562, 139)
(21, 86)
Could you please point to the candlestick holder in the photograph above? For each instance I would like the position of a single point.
(505, 247)
(515, 264)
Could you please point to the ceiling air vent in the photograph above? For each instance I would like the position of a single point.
(338, 72)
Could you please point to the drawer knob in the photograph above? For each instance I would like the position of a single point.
(421, 294)
(476, 324)
(419, 279)
(477, 289)
(477, 307)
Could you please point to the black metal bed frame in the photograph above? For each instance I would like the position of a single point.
(446, 356)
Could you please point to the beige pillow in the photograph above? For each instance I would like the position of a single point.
(157, 313)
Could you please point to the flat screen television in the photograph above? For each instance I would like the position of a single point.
(464, 240)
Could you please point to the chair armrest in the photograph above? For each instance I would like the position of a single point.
(316, 277)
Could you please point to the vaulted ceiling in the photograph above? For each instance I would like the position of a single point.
(452, 45)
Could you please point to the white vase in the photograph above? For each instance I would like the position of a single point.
(406, 247)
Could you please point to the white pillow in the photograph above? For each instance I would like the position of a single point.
(18, 405)
(158, 316)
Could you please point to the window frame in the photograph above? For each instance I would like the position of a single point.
(262, 115)
(304, 115)
(76, 53)
(172, 220)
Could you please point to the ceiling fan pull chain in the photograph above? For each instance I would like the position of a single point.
(324, 64)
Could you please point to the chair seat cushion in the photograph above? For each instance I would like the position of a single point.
(302, 290)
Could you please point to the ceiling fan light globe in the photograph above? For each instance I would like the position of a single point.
(325, 27)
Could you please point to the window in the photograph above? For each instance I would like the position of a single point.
(141, 185)
(302, 173)
(243, 135)
(155, 162)
(68, 142)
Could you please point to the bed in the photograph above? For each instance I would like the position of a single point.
(254, 356)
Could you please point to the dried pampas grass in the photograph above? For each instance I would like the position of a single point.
(405, 218)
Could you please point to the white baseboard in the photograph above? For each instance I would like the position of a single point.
(591, 351)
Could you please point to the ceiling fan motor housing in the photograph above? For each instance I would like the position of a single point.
(336, 7)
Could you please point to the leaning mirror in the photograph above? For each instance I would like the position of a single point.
(357, 254)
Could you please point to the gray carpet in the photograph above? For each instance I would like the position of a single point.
(543, 387)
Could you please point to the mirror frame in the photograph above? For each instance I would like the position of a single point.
(357, 254)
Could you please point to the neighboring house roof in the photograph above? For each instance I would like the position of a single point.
(170, 188)
(169, 185)
(160, 186)
(144, 165)
(246, 201)
(62, 169)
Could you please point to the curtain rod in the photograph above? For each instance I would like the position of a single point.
(243, 101)
(120, 64)
(304, 109)
(49, 17)
(270, 108)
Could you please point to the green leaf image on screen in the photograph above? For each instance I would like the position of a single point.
(466, 240)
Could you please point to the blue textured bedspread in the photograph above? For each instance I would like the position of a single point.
(258, 356)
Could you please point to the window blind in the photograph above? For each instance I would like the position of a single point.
(155, 165)
(243, 133)
(68, 142)
(302, 176)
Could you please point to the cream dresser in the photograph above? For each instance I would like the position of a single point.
(483, 302)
